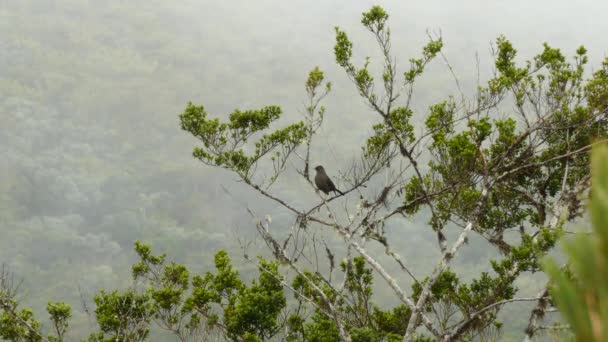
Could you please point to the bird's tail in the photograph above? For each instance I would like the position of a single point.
(340, 192)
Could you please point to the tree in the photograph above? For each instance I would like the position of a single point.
(513, 157)
(213, 306)
(581, 293)
(19, 324)
(166, 296)
(221, 301)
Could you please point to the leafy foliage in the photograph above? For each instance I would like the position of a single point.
(194, 307)
(21, 325)
(224, 142)
(121, 316)
(581, 292)
(486, 171)
(365, 320)
(471, 167)
(60, 315)
(221, 301)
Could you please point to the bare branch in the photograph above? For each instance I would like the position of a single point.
(441, 266)
(537, 313)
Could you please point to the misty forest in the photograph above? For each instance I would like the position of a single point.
(303, 171)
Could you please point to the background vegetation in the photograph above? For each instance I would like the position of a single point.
(89, 94)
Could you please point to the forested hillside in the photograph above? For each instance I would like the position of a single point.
(93, 157)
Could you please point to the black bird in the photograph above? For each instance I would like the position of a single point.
(323, 181)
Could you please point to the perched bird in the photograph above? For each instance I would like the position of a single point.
(323, 182)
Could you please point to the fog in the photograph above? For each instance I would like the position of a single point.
(92, 154)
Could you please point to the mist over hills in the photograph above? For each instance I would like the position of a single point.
(93, 157)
